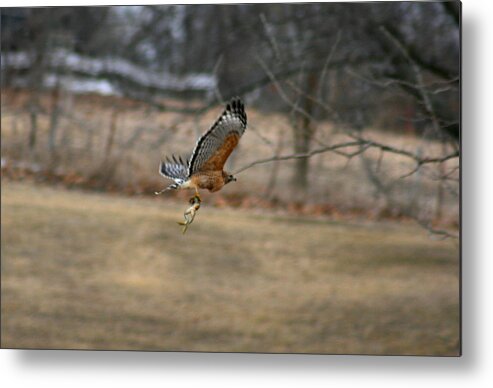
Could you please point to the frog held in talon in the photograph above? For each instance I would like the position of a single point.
(190, 213)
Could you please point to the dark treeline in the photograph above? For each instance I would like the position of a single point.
(245, 46)
(393, 66)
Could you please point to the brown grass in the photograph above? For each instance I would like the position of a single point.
(94, 271)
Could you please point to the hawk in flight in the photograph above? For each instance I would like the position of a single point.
(204, 168)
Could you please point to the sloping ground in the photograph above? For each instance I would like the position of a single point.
(94, 271)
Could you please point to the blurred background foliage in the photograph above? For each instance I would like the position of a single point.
(326, 68)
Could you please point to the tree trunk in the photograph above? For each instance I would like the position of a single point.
(111, 135)
(303, 133)
(53, 120)
(301, 168)
(440, 189)
(275, 168)
(33, 116)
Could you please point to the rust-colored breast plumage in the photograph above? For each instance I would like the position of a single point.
(208, 180)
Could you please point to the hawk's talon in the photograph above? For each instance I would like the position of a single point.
(195, 199)
(197, 195)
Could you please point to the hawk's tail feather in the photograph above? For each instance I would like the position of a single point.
(177, 160)
(173, 168)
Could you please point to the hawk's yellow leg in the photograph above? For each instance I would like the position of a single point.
(197, 195)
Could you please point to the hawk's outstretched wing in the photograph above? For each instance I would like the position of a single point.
(175, 168)
(214, 147)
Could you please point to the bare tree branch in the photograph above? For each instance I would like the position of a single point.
(298, 156)
(418, 76)
(280, 89)
(437, 232)
(363, 145)
(327, 62)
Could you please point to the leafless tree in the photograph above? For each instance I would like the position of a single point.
(394, 66)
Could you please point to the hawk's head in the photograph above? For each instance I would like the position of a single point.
(229, 178)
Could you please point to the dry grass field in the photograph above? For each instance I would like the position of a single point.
(97, 271)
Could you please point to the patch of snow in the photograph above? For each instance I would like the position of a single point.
(108, 67)
(23, 165)
(81, 85)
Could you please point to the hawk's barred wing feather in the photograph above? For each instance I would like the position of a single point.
(214, 147)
